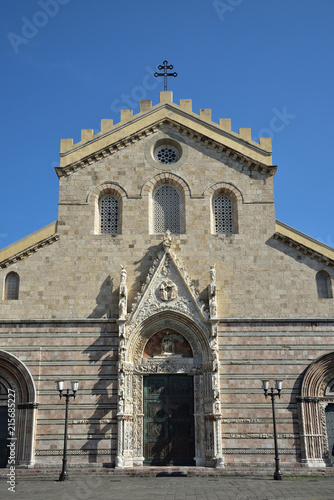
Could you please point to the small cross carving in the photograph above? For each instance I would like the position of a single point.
(165, 74)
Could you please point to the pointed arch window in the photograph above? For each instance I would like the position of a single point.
(167, 209)
(109, 214)
(324, 286)
(12, 285)
(222, 207)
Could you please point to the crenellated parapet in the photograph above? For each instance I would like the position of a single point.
(179, 117)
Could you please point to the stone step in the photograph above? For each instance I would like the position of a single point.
(53, 471)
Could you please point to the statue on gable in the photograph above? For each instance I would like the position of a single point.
(123, 302)
(167, 241)
(213, 293)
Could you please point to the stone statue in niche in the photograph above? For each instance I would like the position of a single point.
(167, 291)
(168, 344)
(123, 303)
(213, 293)
(167, 241)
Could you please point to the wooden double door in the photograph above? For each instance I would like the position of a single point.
(169, 437)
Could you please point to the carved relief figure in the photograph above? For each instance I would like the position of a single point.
(167, 291)
(167, 344)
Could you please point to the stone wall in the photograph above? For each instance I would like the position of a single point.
(77, 276)
(86, 351)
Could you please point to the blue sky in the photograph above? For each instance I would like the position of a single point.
(66, 64)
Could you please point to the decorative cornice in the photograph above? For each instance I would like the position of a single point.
(306, 250)
(29, 250)
(152, 128)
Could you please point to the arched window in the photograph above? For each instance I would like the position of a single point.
(167, 209)
(12, 285)
(109, 215)
(223, 214)
(324, 287)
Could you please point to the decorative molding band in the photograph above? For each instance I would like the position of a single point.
(44, 453)
(60, 421)
(265, 333)
(274, 347)
(34, 334)
(249, 435)
(239, 391)
(224, 322)
(257, 376)
(147, 131)
(79, 406)
(111, 377)
(60, 321)
(244, 406)
(74, 362)
(28, 251)
(304, 249)
(79, 437)
(99, 349)
(83, 392)
(257, 362)
(259, 451)
(258, 420)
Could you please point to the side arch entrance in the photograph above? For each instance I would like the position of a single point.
(17, 390)
(316, 407)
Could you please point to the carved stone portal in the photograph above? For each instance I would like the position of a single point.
(167, 332)
(170, 352)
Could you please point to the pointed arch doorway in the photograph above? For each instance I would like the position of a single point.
(168, 403)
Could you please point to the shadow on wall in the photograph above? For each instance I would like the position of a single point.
(295, 417)
(142, 269)
(102, 351)
(105, 300)
(293, 253)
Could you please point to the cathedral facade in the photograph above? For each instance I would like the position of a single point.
(168, 290)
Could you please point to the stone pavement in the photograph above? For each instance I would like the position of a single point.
(170, 488)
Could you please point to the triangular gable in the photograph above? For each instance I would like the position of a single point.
(168, 288)
(149, 120)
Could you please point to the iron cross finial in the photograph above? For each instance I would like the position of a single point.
(165, 67)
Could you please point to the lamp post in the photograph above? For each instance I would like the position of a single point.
(67, 396)
(278, 383)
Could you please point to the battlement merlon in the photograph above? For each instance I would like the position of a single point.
(149, 116)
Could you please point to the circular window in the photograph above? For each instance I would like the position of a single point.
(166, 154)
